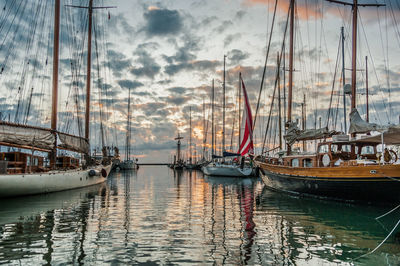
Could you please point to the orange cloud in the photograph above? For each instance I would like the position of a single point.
(311, 10)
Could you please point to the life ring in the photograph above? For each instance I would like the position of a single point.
(326, 160)
(393, 156)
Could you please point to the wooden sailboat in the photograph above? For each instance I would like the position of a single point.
(343, 167)
(25, 173)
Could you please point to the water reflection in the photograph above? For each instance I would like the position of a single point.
(161, 216)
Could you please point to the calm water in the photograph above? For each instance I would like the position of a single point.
(156, 216)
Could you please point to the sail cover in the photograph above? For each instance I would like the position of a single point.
(74, 143)
(295, 134)
(358, 125)
(26, 135)
(246, 142)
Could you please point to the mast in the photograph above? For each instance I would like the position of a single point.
(279, 105)
(291, 51)
(128, 130)
(56, 49)
(344, 83)
(354, 58)
(212, 119)
(303, 117)
(240, 98)
(366, 85)
(204, 129)
(88, 72)
(190, 135)
(223, 112)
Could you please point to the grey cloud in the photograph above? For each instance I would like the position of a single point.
(162, 22)
(202, 65)
(236, 56)
(125, 83)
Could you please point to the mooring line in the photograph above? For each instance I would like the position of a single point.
(392, 210)
(384, 240)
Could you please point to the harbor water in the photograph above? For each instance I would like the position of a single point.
(160, 216)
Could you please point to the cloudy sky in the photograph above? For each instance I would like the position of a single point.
(168, 53)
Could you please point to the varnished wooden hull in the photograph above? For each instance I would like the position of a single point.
(371, 184)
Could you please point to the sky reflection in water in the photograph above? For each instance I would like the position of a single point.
(165, 217)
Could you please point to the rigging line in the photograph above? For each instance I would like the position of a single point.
(37, 55)
(337, 111)
(333, 83)
(385, 60)
(276, 80)
(396, 27)
(265, 64)
(375, 72)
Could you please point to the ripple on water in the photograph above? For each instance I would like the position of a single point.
(157, 216)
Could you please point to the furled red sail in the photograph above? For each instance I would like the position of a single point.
(246, 142)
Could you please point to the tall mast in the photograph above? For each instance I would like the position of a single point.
(304, 119)
(291, 51)
(279, 105)
(204, 128)
(354, 57)
(366, 85)
(212, 119)
(55, 77)
(88, 78)
(240, 98)
(344, 83)
(190, 134)
(128, 130)
(223, 112)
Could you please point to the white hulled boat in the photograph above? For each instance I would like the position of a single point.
(24, 173)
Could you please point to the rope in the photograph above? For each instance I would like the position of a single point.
(384, 240)
(379, 217)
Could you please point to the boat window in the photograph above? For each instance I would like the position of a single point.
(367, 150)
(307, 162)
(295, 162)
(346, 148)
(334, 148)
(379, 148)
(323, 148)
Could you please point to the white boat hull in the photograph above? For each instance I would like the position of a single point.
(38, 183)
(226, 170)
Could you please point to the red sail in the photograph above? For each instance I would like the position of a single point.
(246, 143)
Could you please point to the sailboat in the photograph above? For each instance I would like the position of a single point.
(237, 167)
(128, 164)
(23, 173)
(343, 167)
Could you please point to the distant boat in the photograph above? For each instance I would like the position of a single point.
(23, 173)
(235, 168)
(128, 164)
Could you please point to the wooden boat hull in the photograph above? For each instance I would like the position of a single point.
(371, 184)
(29, 184)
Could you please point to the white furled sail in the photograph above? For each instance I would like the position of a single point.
(74, 143)
(35, 137)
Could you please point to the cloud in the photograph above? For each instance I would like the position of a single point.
(177, 90)
(200, 65)
(117, 62)
(126, 84)
(161, 22)
(149, 66)
(230, 38)
(236, 56)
